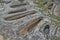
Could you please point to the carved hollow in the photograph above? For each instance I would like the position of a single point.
(20, 10)
(18, 16)
(18, 5)
(29, 27)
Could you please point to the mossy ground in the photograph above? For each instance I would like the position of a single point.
(45, 9)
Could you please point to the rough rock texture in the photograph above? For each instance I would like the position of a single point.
(56, 10)
(17, 16)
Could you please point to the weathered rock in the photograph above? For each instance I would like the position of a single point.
(19, 16)
(57, 10)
